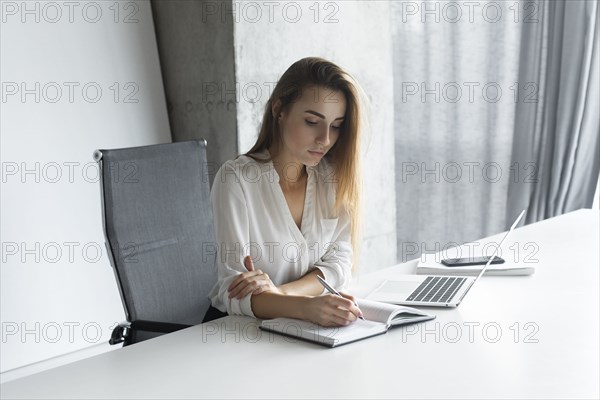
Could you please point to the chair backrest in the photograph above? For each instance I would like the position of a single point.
(159, 229)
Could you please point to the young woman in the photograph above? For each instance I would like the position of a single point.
(289, 209)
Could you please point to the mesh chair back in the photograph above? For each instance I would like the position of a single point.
(159, 229)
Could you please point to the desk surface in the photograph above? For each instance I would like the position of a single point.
(516, 336)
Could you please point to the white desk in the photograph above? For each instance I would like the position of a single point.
(230, 357)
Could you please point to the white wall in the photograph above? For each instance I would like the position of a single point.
(48, 296)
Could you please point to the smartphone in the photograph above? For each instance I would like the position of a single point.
(460, 262)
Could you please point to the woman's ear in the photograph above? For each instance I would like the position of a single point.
(275, 107)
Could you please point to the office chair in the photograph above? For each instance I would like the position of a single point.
(158, 224)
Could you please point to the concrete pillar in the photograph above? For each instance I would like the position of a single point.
(196, 52)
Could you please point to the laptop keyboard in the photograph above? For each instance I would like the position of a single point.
(438, 289)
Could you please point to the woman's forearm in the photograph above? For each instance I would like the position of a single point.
(308, 285)
(290, 303)
(268, 305)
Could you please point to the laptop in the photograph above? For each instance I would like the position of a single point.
(432, 291)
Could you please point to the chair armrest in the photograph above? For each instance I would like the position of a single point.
(119, 333)
(122, 331)
(155, 326)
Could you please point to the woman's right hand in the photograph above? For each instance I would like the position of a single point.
(331, 310)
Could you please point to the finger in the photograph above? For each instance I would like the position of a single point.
(345, 314)
(248, 263)
(353, 300)
(349, 297)
(234, 283)
(250, 288)
(338, 301)
(336, 311)
(240, 278)
(235, 288)
(238, 289)
(257, 285)
(350, 306)
(247, 286)
(336, 320)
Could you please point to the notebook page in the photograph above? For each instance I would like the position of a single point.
(383, 312)
(375, 310)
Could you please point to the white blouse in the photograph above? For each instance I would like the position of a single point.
(252, 218)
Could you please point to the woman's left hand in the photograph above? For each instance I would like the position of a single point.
(254, 282)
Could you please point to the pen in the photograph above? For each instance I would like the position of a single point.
(333, 291)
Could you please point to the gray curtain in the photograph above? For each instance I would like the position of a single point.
(467, 163)
(559, 134)
(453, 137)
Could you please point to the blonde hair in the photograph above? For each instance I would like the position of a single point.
(345, 155)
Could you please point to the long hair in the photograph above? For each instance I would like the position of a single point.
(345, 155)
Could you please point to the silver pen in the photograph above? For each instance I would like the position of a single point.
(333, 291)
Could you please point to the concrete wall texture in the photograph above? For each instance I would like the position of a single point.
(207, 42)
(197, 61)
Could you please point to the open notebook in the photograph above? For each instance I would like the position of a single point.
(379, 317)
